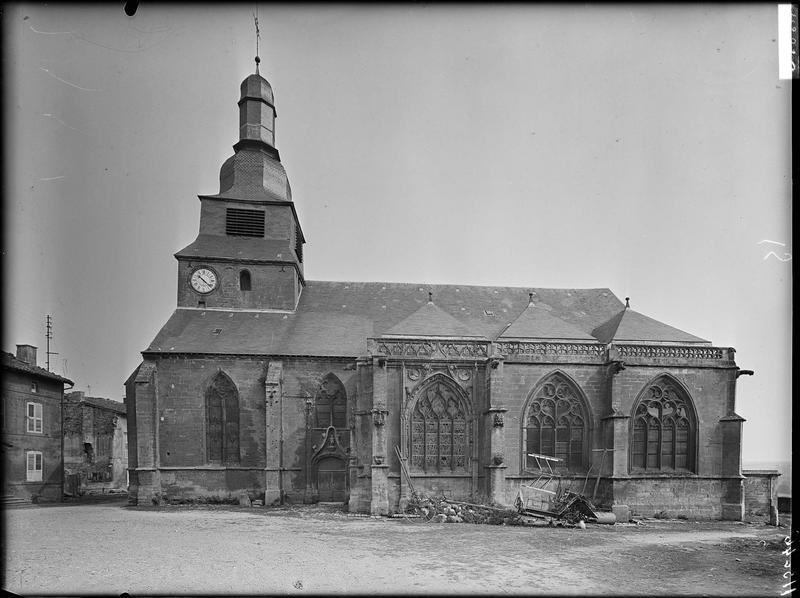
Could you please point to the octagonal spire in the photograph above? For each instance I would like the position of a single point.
(257, 111)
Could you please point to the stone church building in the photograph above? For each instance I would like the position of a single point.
(295, 390)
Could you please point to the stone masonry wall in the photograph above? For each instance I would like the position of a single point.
(182, 463)
(272, 285)
(521, 379)
(405, 379)
(760, 494)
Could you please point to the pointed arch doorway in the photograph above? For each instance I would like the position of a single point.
(328, 463)
(332, 479)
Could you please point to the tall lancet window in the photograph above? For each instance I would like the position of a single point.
(663, 429)
(222, 421)
(556, 424)
(439, 430)
(331, 403)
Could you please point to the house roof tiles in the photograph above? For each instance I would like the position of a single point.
(10, 362)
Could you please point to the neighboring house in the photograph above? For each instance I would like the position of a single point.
(95, 443)
(31, 427)
(296, 390)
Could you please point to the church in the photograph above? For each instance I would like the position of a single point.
(302, 391)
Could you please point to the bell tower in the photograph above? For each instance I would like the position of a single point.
(249, 250)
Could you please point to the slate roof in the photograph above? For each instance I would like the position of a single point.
(536, 322)
(336, 318)
(239, 248)
(9, 361)
(631, 326)
(430, 320)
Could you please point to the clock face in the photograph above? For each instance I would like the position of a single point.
(203, 280)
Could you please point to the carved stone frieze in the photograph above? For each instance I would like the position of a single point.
(431, 349)
(681, 352)
(498, 421)
(545, 348)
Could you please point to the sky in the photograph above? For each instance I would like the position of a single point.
(645, 149)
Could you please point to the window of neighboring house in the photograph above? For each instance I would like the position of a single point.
(663, 429)
(244, 280)
(34, 466)
(34, 387)
(88, 452)
(35, 417)
(103, 442)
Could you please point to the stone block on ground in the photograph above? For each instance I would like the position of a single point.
(622, 513)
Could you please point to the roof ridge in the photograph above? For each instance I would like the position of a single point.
(476, 286)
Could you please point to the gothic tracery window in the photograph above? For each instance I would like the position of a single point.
(439, 437)
(556, 424)
(331, 403)
(222, 421)
(663, 429)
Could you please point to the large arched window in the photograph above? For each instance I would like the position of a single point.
(663, 429)
(555, 423)
(331, 403)
(222, 421)
(439, 430)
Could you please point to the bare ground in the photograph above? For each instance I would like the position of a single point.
(111, 548)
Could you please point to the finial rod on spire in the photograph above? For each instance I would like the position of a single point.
(530, 297)
(430, 297)
(627, 302)
(258, 36)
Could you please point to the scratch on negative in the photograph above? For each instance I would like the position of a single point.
(88, 41)
(55, 118)
(67, 82)
(52, 178)
(50, 32)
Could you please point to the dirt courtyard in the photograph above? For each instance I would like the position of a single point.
(111, 548)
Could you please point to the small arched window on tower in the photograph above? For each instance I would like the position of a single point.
(244, 280)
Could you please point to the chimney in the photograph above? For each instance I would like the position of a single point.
(27, 353)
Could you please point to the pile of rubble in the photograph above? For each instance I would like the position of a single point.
(449, 511)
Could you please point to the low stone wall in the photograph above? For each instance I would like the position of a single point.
(671, 497)
(198, 484)
(760, 492)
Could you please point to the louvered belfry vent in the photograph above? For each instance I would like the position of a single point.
(244, 223)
